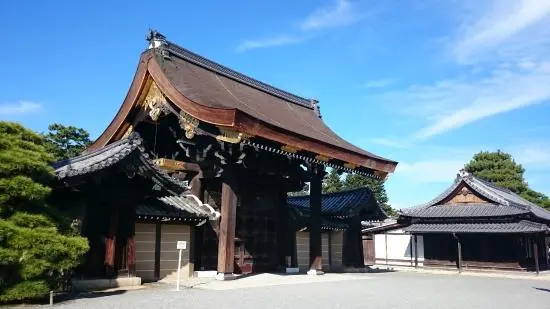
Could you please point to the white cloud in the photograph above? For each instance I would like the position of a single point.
(500, 26)
(269, 42)
(21, 107)
(453, 104)
(381, 83)
(534, 156)
(389, 142)
(502, 63)
(430, 171)
(341, 14)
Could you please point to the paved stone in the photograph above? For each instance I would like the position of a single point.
(383, 290)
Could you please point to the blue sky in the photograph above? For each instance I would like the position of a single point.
(426, 83)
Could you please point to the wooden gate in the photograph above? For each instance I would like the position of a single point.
(368, 250)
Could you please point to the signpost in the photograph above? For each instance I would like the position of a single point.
(180, 245)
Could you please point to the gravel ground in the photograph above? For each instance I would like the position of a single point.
(383, 290)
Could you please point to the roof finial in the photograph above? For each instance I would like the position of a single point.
(155, 38)
(462, 173)
(316, 107)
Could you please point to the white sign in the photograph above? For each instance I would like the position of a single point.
(181, 245)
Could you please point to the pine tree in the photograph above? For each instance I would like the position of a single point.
(66, 141)
(33, 253)
(500, 168)
(355, 181)
(332, 182)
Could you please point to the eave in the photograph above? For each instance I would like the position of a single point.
(149, 70)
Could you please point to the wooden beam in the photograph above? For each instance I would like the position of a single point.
(315, 253)
(226, 236)
(110, 245)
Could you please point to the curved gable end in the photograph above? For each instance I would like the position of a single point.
(205, 92)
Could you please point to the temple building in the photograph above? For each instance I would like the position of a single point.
(203, 154)
(475, 224)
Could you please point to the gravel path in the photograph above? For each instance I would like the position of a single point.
(383, 290)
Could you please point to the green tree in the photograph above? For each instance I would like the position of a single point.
(332, 182)
(500, 168)
(34, 254)
(66, 141)
(355, 181)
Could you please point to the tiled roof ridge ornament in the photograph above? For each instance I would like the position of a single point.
(155, 39)
(316, 107)
(462, 173)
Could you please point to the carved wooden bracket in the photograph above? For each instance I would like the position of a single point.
(189, 124)
(231, 136)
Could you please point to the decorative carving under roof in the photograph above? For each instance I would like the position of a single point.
(155, 102)
(189, 124)
(231, 136)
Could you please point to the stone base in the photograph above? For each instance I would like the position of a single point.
(292, 270)
(205, 274)
(225, 277)
(315, 272)
(87, 285)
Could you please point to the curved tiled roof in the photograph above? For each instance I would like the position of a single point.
(502, 202)
(129, 148)
(508, 227)
(342, 204)
(212, 85)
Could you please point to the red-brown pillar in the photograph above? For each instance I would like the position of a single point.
(315, 253)
(110, 245)
(226, 235)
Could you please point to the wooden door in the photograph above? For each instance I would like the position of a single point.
(368, 250)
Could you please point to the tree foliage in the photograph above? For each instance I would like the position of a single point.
(355, 181)
(66, 141)
(33, 253)
(500, 168)
(334, 183)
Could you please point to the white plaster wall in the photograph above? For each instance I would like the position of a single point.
(398, 249)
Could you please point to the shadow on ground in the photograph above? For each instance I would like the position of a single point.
(542, 289)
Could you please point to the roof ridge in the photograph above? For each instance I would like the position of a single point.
(197, 59)
(134, 139)
(332, 193)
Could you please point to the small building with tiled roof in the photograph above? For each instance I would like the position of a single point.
(476, 224)
(341, 216)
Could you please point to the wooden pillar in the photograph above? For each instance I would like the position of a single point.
(415, 251)
(158, 231)
(110, 245)
(459, 253)
(536, 253)
(131, 241)
(226, 236)
(315, 252)
(412, 250)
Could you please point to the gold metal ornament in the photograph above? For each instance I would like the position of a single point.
(154, 101)
(189, 124)
(231, 136)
